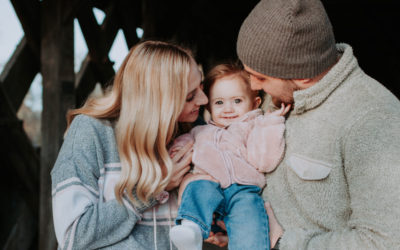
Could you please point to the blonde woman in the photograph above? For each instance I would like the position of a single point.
(113, 180)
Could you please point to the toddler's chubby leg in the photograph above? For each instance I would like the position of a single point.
(246, 220)
(187, 236)
(199, 201)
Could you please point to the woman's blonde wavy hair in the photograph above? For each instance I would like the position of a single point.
(146, 99)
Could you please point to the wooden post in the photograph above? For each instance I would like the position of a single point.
(19, 183)
(57, 66)
(15, 84)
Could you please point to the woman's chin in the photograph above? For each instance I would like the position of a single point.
(192, 117)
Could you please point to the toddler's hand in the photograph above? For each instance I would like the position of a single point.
(282, 111)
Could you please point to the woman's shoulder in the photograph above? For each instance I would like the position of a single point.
(87, 137)
(88, 132)
(91, 121)
(84, 124)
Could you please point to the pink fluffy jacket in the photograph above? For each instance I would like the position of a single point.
(240, 153)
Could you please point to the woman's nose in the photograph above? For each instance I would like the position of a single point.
(201, 98)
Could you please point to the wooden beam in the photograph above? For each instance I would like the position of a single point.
(97, 66)
(130, 16)
(23, 230)
(28, 13)
(91, 32)
(19, 180)
(99, 39)
(71, 12)
(89, 74)
(57, 64)
(85, 82)
(15, 83)
(17, 151)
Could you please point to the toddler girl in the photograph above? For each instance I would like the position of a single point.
(235, 148)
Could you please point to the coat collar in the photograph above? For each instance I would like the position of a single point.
(311, 97)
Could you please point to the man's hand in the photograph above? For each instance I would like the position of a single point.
(220, 238)
(275, 230)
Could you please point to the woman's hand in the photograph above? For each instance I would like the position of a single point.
(275, 230)
(181, 157)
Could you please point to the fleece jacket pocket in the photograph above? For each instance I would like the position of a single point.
(307, 168)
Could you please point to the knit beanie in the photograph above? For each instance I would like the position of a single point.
(287, 39)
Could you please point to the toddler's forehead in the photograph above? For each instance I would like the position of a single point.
(232, 81)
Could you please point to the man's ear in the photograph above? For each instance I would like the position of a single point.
(304, 83)
(257, 102)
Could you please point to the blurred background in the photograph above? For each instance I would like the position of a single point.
(54, 54)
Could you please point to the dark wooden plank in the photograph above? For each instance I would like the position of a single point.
(73, 8)
(89, 74)
(110, 26)
(57, 66)
(15, 83)
(23, 233)
(28, 13)
(85, 82)
(130, 15)
(99, 39)
(97, 66)
(91, 32)
(19, 181)
(21, 158)
(17, 151)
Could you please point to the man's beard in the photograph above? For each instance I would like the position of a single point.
(278, 101)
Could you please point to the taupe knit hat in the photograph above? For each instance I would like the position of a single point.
(287, 39)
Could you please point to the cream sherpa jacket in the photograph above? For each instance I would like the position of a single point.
(338, 186)
(240, 153)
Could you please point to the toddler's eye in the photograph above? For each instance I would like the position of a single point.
(238, 100)
(219, 102)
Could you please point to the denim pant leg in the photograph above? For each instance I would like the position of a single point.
(199, 201)
(246, 219)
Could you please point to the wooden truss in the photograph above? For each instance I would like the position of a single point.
(48, 48)
(209, 27)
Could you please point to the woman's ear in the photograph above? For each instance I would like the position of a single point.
(257, 102)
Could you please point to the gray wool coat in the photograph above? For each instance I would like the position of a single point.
(338, 186)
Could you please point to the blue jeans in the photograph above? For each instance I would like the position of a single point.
(241, 206)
